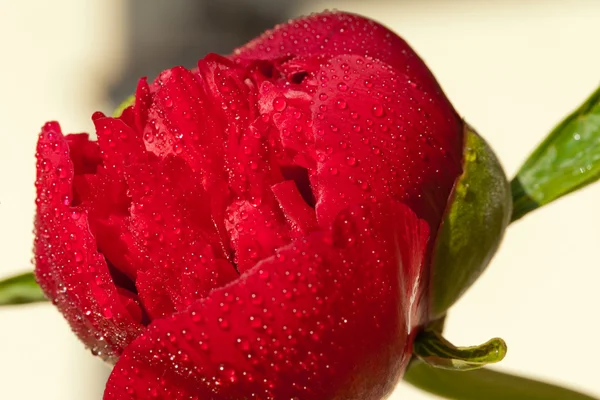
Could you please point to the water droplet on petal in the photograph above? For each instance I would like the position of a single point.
(378, 110)
(279, 104)
(341, 104)
(107, 312)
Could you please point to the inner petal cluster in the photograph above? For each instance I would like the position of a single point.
(213, 169)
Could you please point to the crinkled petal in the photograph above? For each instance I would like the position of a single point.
(255, 231)
(183, 122)
(326, 317)
(104, 193)
(68, 266)
(120, 144)
(85, 154)
(172, 225)
(255, 222)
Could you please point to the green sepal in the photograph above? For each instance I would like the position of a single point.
(478, 213)
(126, 103)
(484, 384)
(431, 348)
(20, 289)
(567, 160)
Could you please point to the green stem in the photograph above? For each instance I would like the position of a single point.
(484, 384)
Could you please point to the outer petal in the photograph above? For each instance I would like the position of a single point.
(378, 136)
(68, 267)
(104, 193)
(325, 318)
(338, 33)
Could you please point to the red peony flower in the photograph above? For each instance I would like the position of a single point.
(261, 227)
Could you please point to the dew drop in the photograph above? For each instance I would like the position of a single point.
(107, 312)
(243, 344)
(341, 104)
(223, 323)
(279, 104)
(378, 110)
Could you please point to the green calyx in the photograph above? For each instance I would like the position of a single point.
(474, 224)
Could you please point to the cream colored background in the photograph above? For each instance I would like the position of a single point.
(512, 68)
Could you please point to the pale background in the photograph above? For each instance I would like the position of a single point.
(512, 68)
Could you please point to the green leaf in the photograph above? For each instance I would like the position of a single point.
(431, 348)
(20, 289)
(478, 214)
(484, 384)
(567, 160)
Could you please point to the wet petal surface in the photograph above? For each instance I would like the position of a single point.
(325, 311)
(68, 266)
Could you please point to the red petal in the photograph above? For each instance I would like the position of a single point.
(184, 122)
(337, 33)
(120, 144)
(255, 231)
(295, 208)
(85, 154)
(104, 194)
(172, 225)
(255, 222)
(289, 109)
(378, 136)
(320, 320)
(143, 101)
(69, 268)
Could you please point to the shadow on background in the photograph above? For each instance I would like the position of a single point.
(160, 34)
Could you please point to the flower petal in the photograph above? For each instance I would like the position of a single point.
(104, 193)
(172, 225)
(299, 214)
(85, 154)
(68, 267)
(339, 33)
(326, 317)
(255, 222)
(378, 136)
(184, 122)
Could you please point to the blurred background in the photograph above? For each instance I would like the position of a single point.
(513, 68)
